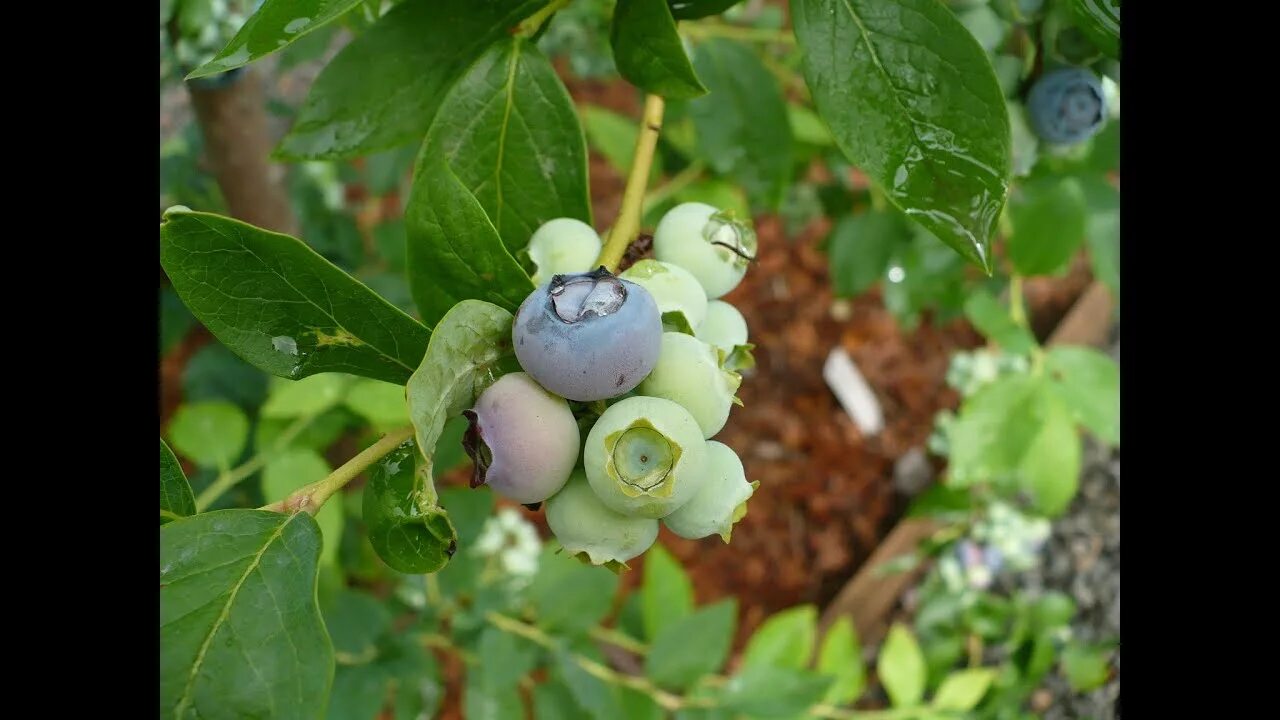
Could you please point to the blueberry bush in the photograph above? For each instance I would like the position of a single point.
(966, 146)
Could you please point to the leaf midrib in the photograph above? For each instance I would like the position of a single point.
(222, 618)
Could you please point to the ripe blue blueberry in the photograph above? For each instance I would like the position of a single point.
(588, 336)
(523, 440)
(1067, 106)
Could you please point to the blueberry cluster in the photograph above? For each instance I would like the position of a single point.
(626, 378)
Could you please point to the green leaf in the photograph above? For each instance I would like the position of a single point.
(963, 689)
(175, 320)
(1086, 666)
(553, 701)
(1088, 382)
(993, 321)
(359, 692)
(860, 249)
(1048, 217)
(1102, 230)
(454, 251)
(807, 127)
(901, 667)
(637, 706)
(648, 52)
(211, 434)
(693, 646)
(667, 594)
(274, 25)
(293, 469)
(568, 596)
(1100, 20)
(356, 621)
(282, 307)
(240, 631)
(407, 527)
(598, 698)
(308, 396)
(1017, 428)
(383, 89)
(614, 137)
(1051, 611)
(694, 9)
(774, 692)
(912, 99)
(480, 702)
(841, 657)
(509, 132)
(382, 404)
(504, 659)
(785, 640)
(176, 500)
(742, 125)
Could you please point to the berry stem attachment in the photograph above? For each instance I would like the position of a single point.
(312, 497)
(627, 227)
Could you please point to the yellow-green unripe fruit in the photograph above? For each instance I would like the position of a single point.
(672, 287)
(561, 246)
(724, 327)
(712, 245)
(720, 503)
(585, 527)
(645, 457)
(691, 373)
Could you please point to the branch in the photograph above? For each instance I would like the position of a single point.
(628, 225)
(312, 497)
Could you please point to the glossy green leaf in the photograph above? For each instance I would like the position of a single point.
(480, 702)
(176, 499)
(598, 698)
(382, 404)
(1088, 381)
(240, 631)
(742, 125)
(1048, 217)
(504, 658)
(761, 691)
(901, 667)
(993, 321)
(648, 52)
(407, 527)
(1102, 230)
(308, 396)
(693, 646)
(211, 434)
(273, 26)
(861, 246)
(1017, 428)
(568, 596)
(963, 689)
(841, 657)
(282, 307)
(1100, 20)
(667, 594)
(785, 640)
(454, 251)
(509, 131)
(912, 99)
(383, 89)
(694, 9)
(294, 468)
(356, 621)
(614, 136)
(1086, 666)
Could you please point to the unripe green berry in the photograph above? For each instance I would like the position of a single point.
(672, 287)
(562, 246)
(713, 246)
(720, 503)
(586, 528)
(691, 373)
(645, 457)
(724, 326)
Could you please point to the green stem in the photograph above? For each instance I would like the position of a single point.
(229, 479)
(735, 32)
(312, 497)
(533, 23)
(678, 182)
(618, 639)
(628, 225)
(1017, 310)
